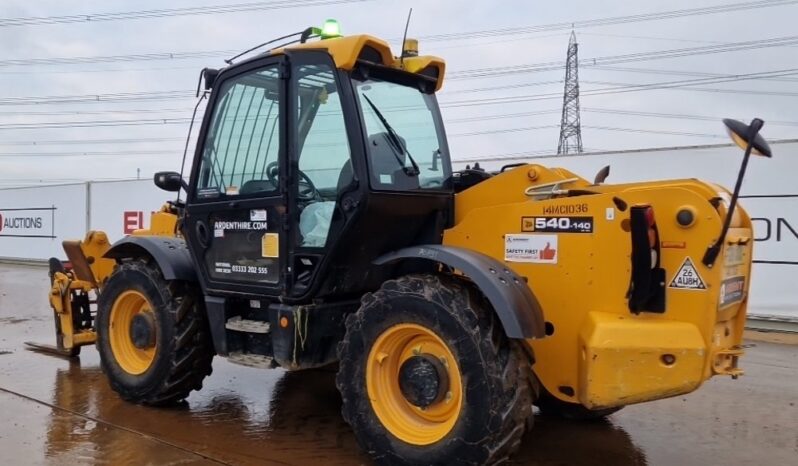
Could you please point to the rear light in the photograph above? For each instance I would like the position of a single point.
(652, 235)
(647, 286)
(649, 213)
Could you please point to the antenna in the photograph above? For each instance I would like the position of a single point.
(229, 61)
(404, 38)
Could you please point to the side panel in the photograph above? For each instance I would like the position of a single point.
(516, 306)
(576, 252)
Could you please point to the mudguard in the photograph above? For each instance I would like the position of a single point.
(508, 293)
(170, 253)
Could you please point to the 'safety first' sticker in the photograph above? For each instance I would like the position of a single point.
(536, 249)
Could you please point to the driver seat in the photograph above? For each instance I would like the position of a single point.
(257, 186)
(385, 169)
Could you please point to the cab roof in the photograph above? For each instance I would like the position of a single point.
(347, 51)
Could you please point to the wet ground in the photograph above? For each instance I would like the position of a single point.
(56, 411)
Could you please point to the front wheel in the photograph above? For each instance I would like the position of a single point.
(427, 376)
(152, 335)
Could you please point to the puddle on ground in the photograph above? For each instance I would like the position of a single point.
(296, 421)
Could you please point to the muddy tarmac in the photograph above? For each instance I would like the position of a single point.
(57, 411)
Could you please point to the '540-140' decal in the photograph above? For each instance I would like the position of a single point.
(557, 224)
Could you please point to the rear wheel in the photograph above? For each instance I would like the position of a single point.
(549, 405)
(152, 335)
(427, 376)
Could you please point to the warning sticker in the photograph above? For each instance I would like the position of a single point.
(687, 277)
(732, 291)
(270, 245)
(258, 215)
(538, 249)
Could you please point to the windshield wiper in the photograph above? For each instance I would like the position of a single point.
(396, 142)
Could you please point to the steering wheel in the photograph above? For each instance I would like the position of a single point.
(306, 190)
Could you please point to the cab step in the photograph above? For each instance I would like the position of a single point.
(251, 360)
(239, 324)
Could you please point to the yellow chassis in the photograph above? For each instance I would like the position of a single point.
(599, 354)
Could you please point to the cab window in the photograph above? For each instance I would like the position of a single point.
(323, 147)
(242, 146)
(407, 149)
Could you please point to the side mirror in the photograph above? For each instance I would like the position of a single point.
(169, 181)
(209, 75)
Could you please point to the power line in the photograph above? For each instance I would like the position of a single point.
(701, 89)
(566, 25)
(461, 35)
(147, 140)
(176, 152)
(626, 58)
(179, 94)
(93, 98)
(698, 74)
(654, 131)
(502, 115)
(100, 70)
(97, 112)
(95, 123)
(89, 141)
(665, 39)
(678, 116)
(115, 58)
(503, 87)
(503, 130)
(624, 89)
(167, 12)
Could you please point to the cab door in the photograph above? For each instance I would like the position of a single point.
(236, 204)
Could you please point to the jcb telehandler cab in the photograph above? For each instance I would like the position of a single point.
(323, 223)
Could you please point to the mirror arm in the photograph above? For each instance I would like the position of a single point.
(712, 252)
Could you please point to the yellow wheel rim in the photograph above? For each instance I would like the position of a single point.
(131, 359)
(405, 421)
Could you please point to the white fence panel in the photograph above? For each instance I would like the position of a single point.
(119, 207)
(34, 221)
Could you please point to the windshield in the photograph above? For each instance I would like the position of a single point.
(406, 144)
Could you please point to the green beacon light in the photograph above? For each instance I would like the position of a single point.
(330, 29)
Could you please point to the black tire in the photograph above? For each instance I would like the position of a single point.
(549, 405)
(497, 406)
(184, 350)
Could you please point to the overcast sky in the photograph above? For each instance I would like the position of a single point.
(603, 127)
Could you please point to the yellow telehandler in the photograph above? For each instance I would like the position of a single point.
(323, 223)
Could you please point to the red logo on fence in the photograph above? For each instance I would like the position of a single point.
(132, 220)
(1, 222)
